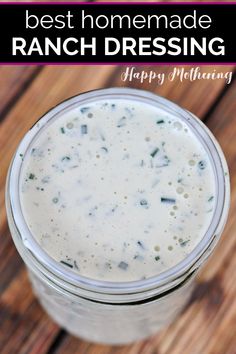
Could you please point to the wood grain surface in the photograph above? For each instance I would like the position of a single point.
(208, 323)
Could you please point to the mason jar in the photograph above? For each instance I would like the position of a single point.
(105, 311)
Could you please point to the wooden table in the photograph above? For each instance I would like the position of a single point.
(208, 324)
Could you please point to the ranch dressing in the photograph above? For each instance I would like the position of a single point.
(117, 190)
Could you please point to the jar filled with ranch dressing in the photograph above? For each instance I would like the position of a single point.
(115, 199)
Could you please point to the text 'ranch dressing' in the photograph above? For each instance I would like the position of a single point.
(117, 190)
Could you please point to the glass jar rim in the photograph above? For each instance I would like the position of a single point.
(190, 262)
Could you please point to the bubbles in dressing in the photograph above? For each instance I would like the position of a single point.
(117, 190)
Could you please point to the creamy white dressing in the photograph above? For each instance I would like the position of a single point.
(117, 190)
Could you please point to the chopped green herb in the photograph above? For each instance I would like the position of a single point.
(84, 109)
(143, 202)
(121, 122)
(67, 264)
(128, 110)
(182, 242)
(164, 161)
(102, 136)
(114, 208)
(65, 158)
(138, 257)
(141, 245)
(125, 245)
(123, 265)
(84, 129)
(76, 265)
(45, 179)
(155, 151)
(108, 265)
(166, 158)
(168, 200)
(161, 121)
(202, 165)
(40, 189)
(98, 155)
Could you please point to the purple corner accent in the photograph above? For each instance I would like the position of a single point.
(120, 3)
